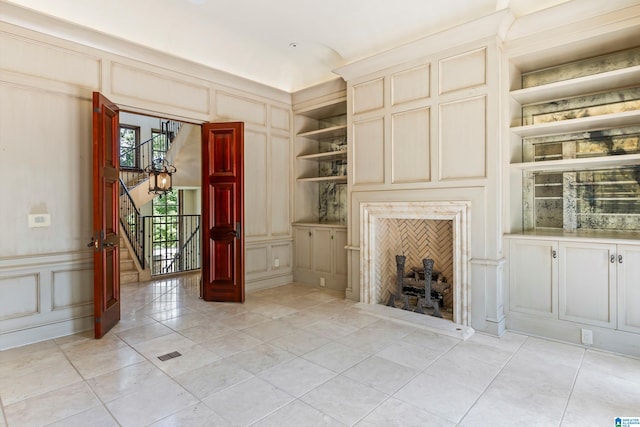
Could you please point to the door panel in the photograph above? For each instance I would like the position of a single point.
(322, 252)
(628, 259)
(340, 251)
(106, 163)
(587, 283)
(303, 249)
(223, 212)
(533, 280)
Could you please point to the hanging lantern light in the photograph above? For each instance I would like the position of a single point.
(160, 176)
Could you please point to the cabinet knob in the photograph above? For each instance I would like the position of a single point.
(613, 259)
(309, 234)
(554, 254)
(620, 259)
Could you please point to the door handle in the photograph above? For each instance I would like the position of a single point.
(620, 259)
(236, 233)
(554, 254)
(613, 259)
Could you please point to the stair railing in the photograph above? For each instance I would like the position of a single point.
(188, 256)
(171, 251)
(132, 223)
(133, 160)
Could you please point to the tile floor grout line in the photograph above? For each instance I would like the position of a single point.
(491, 382)
(573, 385)
(4, 415)
(86, 382)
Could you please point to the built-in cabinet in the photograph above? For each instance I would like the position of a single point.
(574, 188)
(587, 282)
(320, 173)
(321, 257)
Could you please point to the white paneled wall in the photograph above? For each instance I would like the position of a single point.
(46, 84)
(425, 130)
(411, 146)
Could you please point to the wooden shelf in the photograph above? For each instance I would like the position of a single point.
(625, 77)
(326, 156)
(567, 165)
(604, 121)
(337, 179)
(325, 133)
(334, 107)
(313, 223)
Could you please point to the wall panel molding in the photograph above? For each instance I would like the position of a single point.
(411, 146)
(280, 119)
(368, 142)
(256, 171)
(24, 293)
(368, 96)
(469, 138)
(411, 85)
(46, 61)
(234, 107)
(148, 85)
(463, 71)
(71, 287)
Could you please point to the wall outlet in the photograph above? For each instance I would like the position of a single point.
(276, 262)
(322, 283)
(586, 336)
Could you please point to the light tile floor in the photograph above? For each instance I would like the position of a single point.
(301, 356)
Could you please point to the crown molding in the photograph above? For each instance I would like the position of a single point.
(47, 25)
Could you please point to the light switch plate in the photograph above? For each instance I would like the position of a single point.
(39, 220)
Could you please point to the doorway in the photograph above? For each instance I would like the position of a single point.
(163, 230)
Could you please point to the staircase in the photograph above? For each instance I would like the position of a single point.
(174, 137)
(128, 271)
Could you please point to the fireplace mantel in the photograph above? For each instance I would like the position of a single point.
(456, 211)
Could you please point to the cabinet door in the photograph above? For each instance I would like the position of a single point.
(303, 240)
(587, 285)
(340, 253)
(628, 260)
(322, 250)
(533, 284)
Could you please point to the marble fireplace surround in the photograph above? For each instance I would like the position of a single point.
(455, 211)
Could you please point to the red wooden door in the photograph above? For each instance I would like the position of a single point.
(106, 165)
(223, 212)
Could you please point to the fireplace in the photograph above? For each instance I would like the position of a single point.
(417, 230)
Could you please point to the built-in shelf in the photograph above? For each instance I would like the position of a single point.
(321, 159)
(579, 86)
(580, 164)
(604, 121)
(325, 133)
(312, 223)
(336, 179)
(326, 156)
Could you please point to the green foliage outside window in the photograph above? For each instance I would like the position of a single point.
(128, 141)
(165, 229)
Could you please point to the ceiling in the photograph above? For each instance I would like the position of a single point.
(285, 44)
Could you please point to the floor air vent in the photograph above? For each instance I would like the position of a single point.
(168, 356)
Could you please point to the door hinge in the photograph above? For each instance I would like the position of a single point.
(96, 110)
